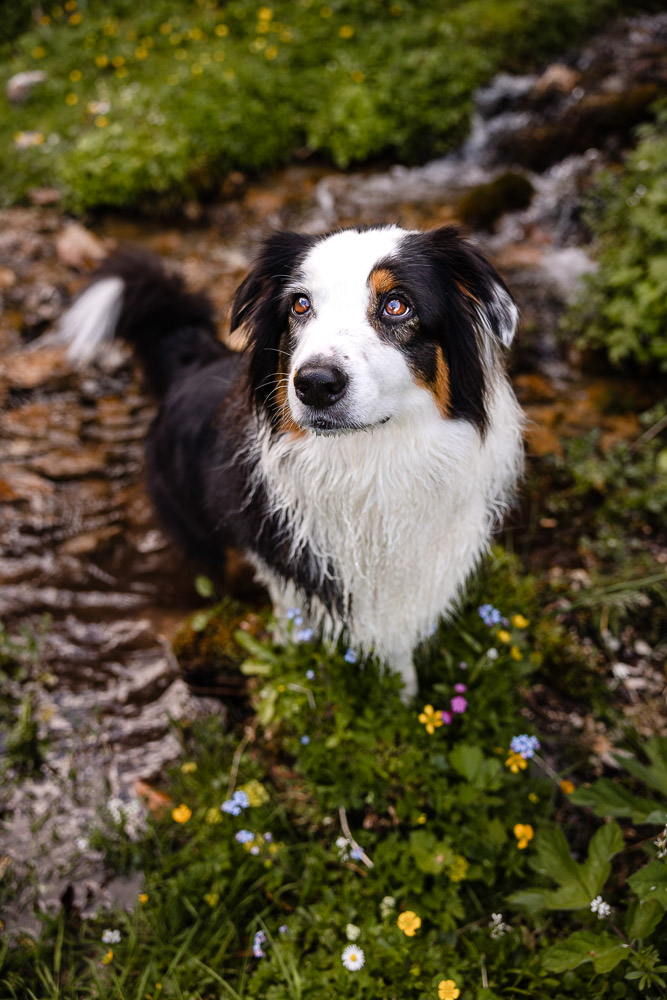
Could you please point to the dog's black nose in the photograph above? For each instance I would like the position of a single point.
(320, 385)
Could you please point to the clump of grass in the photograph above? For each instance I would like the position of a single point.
(152, 105)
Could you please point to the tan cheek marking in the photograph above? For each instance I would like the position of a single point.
(287, 425)
(381, 281)
(439, 386)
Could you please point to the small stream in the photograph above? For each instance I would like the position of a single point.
(80, 543)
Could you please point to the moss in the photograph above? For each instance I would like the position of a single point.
(484, 204)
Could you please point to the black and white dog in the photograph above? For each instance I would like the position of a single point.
(363, 446)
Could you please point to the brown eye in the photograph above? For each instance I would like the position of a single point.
(395, 307)
(301, 305)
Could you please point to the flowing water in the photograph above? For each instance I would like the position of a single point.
(79, 540)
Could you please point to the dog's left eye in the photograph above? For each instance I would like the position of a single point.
(395, 307)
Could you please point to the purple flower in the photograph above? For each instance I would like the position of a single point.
(310, 674)
(460, 688)
(463, 665)
(254, 849)
(268, 837)
(244, 836)
(282, 929)
(489, 614)
(525, 745)
(446, 717)
(350, 656)
(458, 704)
(257, 942)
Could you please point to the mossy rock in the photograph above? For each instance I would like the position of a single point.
(483, 205)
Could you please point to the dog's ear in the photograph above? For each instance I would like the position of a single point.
(481, 292)
(261, 308)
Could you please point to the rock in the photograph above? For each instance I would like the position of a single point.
(483, 205)
(556, 77)
(44, 196)
(28, 370)
(7, 278)
(19, 86)
(78, 247)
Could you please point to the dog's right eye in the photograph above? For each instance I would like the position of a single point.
(301, 305)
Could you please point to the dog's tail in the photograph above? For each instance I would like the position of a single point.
(133, 297)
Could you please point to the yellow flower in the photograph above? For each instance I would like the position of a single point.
(102, 60)
(532, 797)
(504, 636)
(189, 767)
(213, 816)
(520, 622)
(458, 869)
(75, 75)
(271, 52)
(264, 14)
(326, 11)
(108, 957)
(357, 76)
(101, 121)
(196, 34)
(221, 30)
(143, 897)
(121, 72)
(430, 718)
(118, 61)
(256, 792)
(422, 819)
(448, 990)
(181, 814)
(516, 762)
(346, 31)
(211, 898)
(515, 653)
(409, 923)
(38, 53)
(75, 18)
(72, 99)
(566, 786)
(140, 53)
(70, 5)
(166, 28)
(524, 834)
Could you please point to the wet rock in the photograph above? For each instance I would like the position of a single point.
(483, 205)
(77, 247)
(556, 77)
(20, 85)
(43, 304)
(71, 464)
(44, 196)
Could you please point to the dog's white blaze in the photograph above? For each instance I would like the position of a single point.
(403, 511)
(91, 322)
(335, 276)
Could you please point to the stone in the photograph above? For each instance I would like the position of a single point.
(77, 247)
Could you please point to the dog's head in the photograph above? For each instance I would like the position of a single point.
(355, 329)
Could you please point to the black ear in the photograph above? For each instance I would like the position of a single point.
(482, 293)
(260, 305)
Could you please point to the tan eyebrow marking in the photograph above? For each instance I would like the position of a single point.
(381, 281)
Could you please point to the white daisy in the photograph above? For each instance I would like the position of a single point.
(353, 958)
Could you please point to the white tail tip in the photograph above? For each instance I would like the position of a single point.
(89, 325)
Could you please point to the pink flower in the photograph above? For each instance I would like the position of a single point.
(460, 688)
(446, 717)
(458, 704)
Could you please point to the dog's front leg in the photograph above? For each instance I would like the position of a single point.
(402, 663)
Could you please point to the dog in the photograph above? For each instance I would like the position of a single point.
(363, 446)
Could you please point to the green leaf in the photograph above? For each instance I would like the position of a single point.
(430, 855)
(470, 763)
(642, 918)
(204, 587)
(607, 798)
(602, 950)
(655, 774)
(255, 648)
(579, 883)
(650, 882)
(255, 668)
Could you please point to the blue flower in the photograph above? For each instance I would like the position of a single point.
(310, 674)
(257, 942)
(244, 836)
(525, 745)
(304, 635)
(350, 656)
(356, 853)
(305, 740)
(489, 614)
(293, 613)
(236, 804)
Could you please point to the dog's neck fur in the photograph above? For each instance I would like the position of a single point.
(403, 512)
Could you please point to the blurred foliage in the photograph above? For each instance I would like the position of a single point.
(155, 104)
(622, 308)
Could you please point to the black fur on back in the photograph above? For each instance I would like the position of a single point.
(171, 329)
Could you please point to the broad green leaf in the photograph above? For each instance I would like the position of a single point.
(607, 798)
(578, 883)
(530, 900)
(604, 951)
(655, 773)
(204, 586)
(430, 855)
(466, 760)
(642, 918)
(255, 648)
(650, 882)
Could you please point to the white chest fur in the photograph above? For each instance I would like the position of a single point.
(403, 512)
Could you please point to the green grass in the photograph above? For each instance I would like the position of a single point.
(149, 105)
